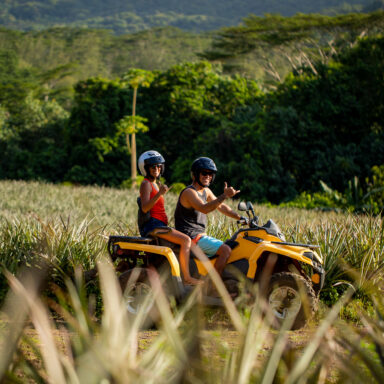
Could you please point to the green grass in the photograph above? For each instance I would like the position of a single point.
(70, 225)
(38, 201)
(82, 349)
(117, 209)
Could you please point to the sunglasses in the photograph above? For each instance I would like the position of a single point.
(155, 166)
(206, 173)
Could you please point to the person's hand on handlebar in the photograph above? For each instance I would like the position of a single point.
(243, 220)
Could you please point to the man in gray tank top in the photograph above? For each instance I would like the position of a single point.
(195, 202)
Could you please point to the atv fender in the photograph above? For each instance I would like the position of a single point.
(295, 253)
(247, 250)
(156, 249)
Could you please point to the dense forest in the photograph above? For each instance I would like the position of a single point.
(313, 128)
(265, 49)
(60, 57)
(126, 16)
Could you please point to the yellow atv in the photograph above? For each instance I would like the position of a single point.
(291, 286)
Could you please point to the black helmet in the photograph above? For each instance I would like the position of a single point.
(203, 163)
(149, 158)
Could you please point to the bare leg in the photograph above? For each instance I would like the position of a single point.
(223, 255)
(185, 247)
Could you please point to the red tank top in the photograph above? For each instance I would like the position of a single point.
(158, 210)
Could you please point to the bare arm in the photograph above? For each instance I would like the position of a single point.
(145, 192)
(224, 208)
(228, 211)
(190, 198)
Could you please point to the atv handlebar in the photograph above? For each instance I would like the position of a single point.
(243, 221)
(253, 223)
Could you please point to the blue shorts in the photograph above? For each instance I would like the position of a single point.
(209, 245)
(150, 225)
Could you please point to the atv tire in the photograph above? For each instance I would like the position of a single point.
(135, 287)
(290, 297)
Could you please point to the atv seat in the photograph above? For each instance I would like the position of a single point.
(163, 242)
(126, 239)
(130, 239)
(150, 239)
(159, 231)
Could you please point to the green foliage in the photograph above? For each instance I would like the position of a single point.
(191, 101)
(129, 16)
(331, 295)
(309, 201)
(136, 78)
(367, 197)
(181, 102)
(31, 141)
(177, 188)
(64, 246)
(276, 29)
(91, 134)
(15, 82)
(131, 124)
(375, 189)
(328, 347)
(322, 124)
(269, 47)
(3, 120)
(38, 201)
(79, 175)
(127, 184)
(351, 245)
(56, 59)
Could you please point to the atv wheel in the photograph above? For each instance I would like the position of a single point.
(290, 297)
(137, 292)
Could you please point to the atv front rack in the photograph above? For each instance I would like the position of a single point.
(310, 246)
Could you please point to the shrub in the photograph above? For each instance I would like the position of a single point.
(127, 184)
(177, 188)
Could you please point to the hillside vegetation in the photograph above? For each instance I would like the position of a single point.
(60, 57)
(317, 130)
(262, 48)
(123, 16)
(268, 48)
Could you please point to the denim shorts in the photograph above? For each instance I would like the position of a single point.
(150, 225)
(209, 245)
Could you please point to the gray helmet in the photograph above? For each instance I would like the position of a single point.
(149, 158)
(203, 163)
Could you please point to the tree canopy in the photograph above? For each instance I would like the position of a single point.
(290, 42)
(126, 16)
(322, 125)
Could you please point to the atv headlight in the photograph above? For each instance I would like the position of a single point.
(318, 258)
(308, 254)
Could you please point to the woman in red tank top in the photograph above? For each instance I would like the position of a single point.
(151, 165)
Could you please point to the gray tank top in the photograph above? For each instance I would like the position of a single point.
(188, 220)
